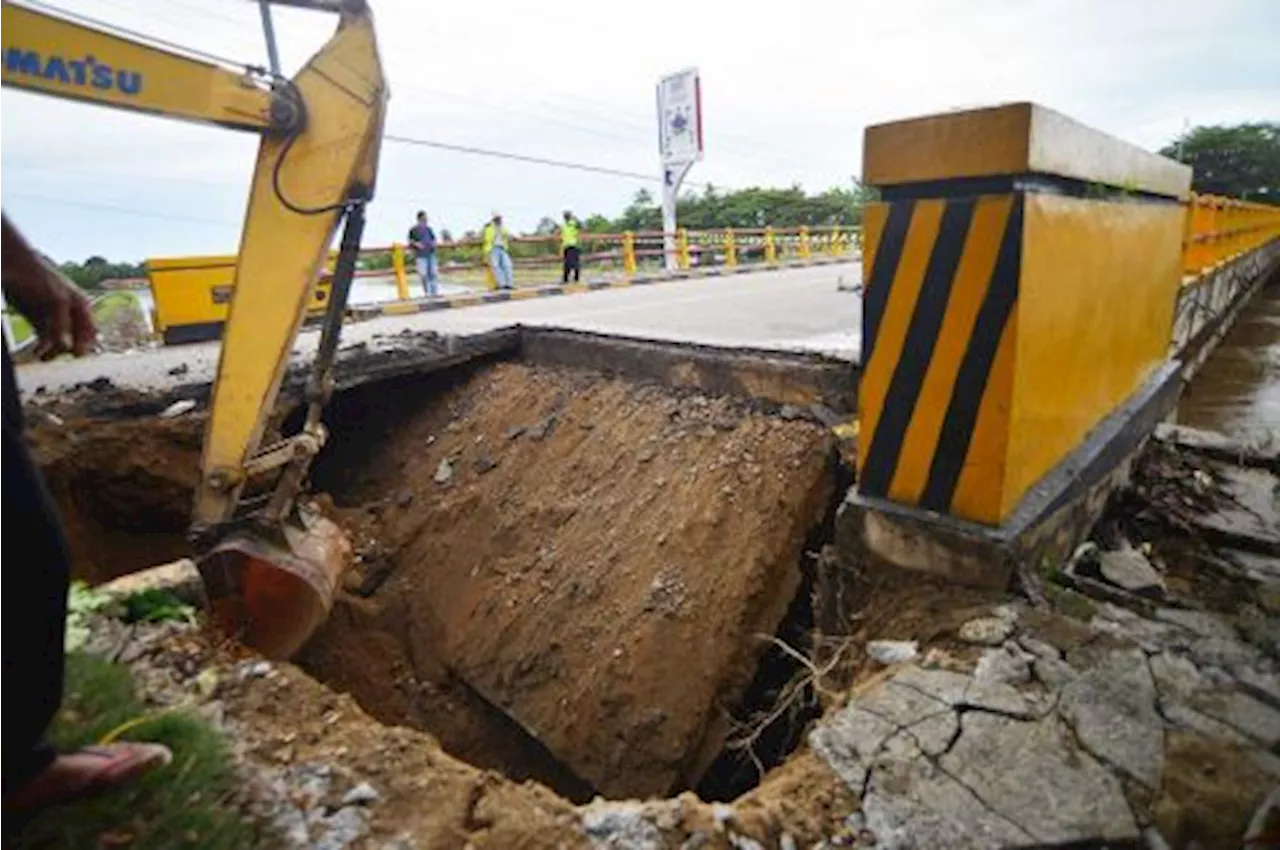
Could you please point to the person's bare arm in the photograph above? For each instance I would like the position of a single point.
(57, 309)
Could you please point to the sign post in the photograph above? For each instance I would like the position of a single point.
(679, 145)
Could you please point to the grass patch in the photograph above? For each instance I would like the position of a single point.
(19, 326)
(187, 804)
(108, 306)
(105, 309)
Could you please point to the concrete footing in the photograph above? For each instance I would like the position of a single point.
(1048, 523)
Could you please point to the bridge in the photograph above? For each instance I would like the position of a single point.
(1012, 328)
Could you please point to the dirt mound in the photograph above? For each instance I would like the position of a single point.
(123, 488)
(599, 559)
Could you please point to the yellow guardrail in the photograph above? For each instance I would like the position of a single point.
(191, 294)
(1219, 229)
(537, 258)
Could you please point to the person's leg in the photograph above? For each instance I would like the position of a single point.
(575, 260)
(508, 271)
(433, 276)
(35, 609)
(565, 266)
(495, 265)
(420, 264)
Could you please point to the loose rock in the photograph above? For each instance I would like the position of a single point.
(444, 472)
(178, 408)
(1130, 570)
(892, 651)
(543, 428)
(986, 631)
(360, 795)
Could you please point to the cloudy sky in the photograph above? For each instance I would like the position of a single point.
(787, 91)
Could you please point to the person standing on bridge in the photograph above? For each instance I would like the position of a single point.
(496, 240)
(39, 568)
(569, 248)
(422, 239)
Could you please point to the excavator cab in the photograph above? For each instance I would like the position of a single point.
(270, 560)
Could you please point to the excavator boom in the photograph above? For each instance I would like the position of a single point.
(270, 567)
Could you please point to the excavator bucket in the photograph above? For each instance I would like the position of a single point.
(272, 589)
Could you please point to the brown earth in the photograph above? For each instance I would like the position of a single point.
(598, 559)
(285, 725)
(606, 575)
(123, 488)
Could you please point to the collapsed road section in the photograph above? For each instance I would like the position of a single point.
(560, 574)
(575, 575)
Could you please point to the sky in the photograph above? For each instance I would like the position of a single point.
(787, 92)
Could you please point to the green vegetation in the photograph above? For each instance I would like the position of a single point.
(93, 271)
(186, 804)
(20, 327)
(745, 208)
(82, 602)
(156, 606)
(105, 309)
(1240, 161)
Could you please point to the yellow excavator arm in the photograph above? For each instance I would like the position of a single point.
(271, 565)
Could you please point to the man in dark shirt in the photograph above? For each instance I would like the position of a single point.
(38, 567)
(422, 239)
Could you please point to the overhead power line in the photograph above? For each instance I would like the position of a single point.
(66, 202)
(519, 157)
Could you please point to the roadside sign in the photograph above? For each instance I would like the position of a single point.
(680, 117)
(679, 145)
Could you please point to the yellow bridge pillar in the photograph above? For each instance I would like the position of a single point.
(804, 243)
(1020, 278)
(397, 265)
(730, 248)
(770, 246)
(683, 247)
(629, 253)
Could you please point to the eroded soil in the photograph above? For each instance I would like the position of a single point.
(598, 559)
(123, 488)
(562, 577)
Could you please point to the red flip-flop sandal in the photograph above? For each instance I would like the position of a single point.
(75, 776)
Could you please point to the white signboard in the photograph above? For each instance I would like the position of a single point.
(680, 117)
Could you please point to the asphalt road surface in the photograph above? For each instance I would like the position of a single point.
(799, 310)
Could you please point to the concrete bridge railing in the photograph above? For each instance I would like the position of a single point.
(1219, 230)
(1022, 279)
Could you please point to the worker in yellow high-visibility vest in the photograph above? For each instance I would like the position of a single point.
(569, 247)
(496, 252)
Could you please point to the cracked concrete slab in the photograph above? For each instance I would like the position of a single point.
(1242, 713)
(1112, 708)
(1017, 767)
(913, 804)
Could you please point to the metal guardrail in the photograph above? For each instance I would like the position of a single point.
(1219, 229)
(536, 259)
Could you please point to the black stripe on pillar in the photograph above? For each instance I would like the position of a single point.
(888, 255)
(975, 368)
(917, 350)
